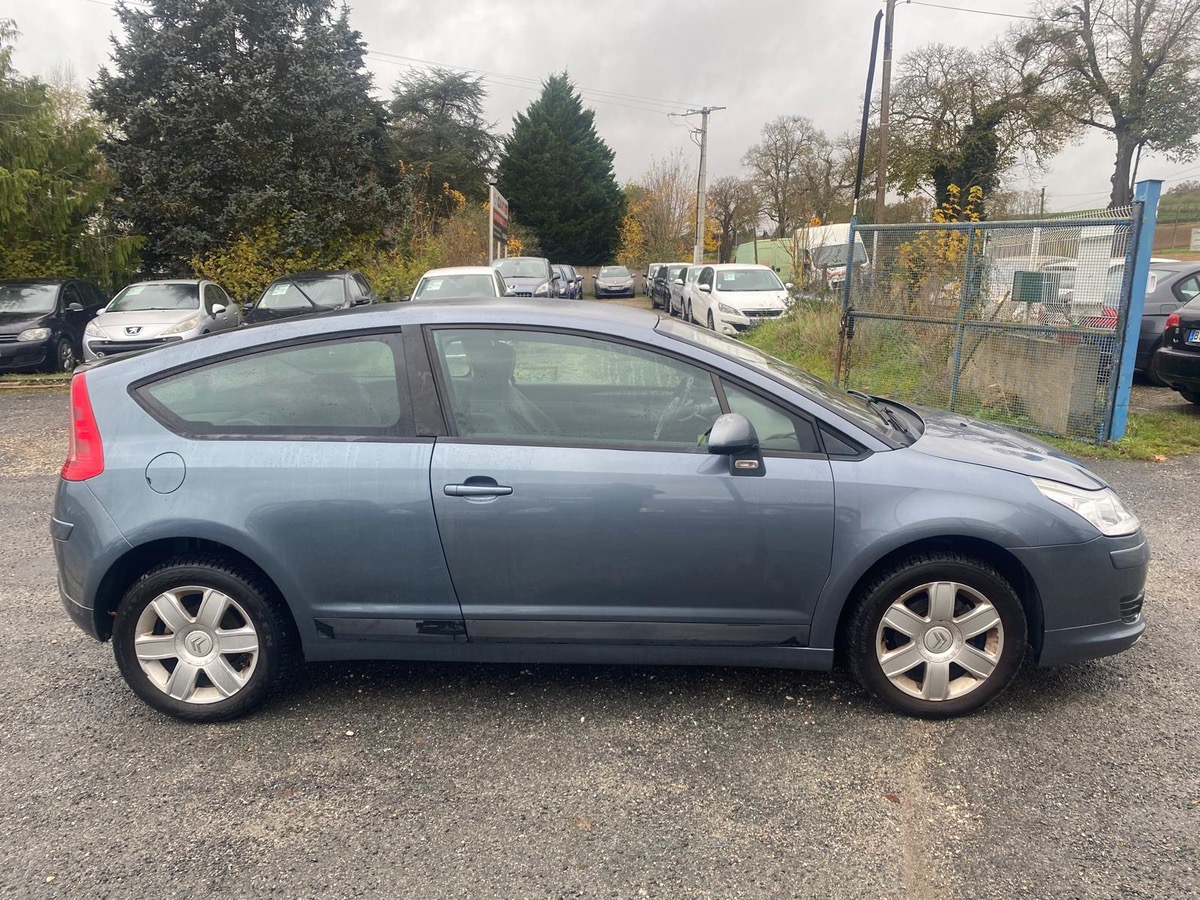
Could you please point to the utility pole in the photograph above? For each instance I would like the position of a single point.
(698, 251)
(885, 111)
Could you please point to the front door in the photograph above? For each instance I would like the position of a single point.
(575, 502)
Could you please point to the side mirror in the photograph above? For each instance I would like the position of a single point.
(679, 281)
(218, 308)
(789, 285)
(74, 307)
(734, 436)
(706, 288)
(406, 298)
(361, 301)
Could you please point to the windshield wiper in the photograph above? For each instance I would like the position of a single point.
(884, 412)
(296, 285)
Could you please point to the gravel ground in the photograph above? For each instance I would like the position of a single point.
(393, 780)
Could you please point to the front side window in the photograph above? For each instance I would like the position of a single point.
(213, 296)
(552, 388)
(706, 276)
(138, 297)
(777, 429)
(331, 388)
(364, 289)
(305, 293)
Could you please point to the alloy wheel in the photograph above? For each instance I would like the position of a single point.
(66, 356)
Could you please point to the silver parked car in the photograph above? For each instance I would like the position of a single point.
(500, 481)
(152, 313)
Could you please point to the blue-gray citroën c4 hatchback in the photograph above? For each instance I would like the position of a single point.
(508, 482)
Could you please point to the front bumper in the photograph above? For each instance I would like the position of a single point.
(740, 324)
(1179, 368)
(614, 291)
(1091, 596)
(22, 355)
(95, 348)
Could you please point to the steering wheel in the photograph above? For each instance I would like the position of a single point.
(683, 407)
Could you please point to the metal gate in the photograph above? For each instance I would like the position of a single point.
(1032, 323)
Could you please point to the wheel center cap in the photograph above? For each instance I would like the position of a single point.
(196, 645)
(938, 639)
(199, 643)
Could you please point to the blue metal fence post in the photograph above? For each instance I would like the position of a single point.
(1145, 193)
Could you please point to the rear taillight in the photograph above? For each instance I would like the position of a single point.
(85, 457)
(1172, 322)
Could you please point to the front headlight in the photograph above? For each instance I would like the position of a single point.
(93, 329)
(185, 325)
(34, 334)
(728, 310)
(1102, 508)
(542, 290)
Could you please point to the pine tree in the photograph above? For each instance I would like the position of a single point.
(223, 117)
(557, 174)
(442, 138)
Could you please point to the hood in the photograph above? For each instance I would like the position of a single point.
(753, 299)
(16, 322)
(150, 322)
(960, 438)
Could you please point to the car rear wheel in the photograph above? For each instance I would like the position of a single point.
(1151, 373)
(203, 639)
(937, 635)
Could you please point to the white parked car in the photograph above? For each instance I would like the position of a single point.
(149, 314)
(731, 298)
(460, 283)
(681, 291)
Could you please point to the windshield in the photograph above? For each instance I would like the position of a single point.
(748, 280)
(156, 296)
(673, 272)
(826, 256)
(441, 287)
(304, 293)
(614, 272)
(27, 298)
(523, 268)
(853, 409)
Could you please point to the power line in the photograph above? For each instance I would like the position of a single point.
(981, 12)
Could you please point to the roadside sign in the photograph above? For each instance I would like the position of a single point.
(498, 226)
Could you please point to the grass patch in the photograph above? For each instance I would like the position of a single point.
(1155, 436)
(38, 379)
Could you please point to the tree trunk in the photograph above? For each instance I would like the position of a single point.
(1122, 191)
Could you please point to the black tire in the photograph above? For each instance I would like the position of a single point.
(1191, 396)
(712, 325)
(862, 638)
(1151, 372)
(277, 653)
(65, 358)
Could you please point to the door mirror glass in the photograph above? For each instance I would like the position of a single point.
(732, 434)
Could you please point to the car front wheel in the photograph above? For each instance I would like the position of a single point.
(203, 639)
(937, 635)
(65, 359)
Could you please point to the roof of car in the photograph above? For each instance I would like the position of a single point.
(317, 273)
(562, 314)
(460, 270)
(168, 281)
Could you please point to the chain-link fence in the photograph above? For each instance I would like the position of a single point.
(1020, 322)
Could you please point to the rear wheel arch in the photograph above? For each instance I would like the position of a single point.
(993, 554)
(135, 563)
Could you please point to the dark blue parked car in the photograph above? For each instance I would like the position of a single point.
(504, 481)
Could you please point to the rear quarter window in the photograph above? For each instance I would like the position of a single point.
(324, 389)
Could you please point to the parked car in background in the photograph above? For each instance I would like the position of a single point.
(614, 281)
(311, 292)
(681, 292)
(507, 482)
(150, 314)
(460, 282)
(570, 285)
(1171, 285)
(732, 298)
(528, 276)
(660, 295)
(648, 278)
(1177, 361)
(42, 322)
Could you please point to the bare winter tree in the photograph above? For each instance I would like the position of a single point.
(735, 207)
(1127, 67)
(666, 207)
(797, 172)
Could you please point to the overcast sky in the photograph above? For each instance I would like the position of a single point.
(759, 58)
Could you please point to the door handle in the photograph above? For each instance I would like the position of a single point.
(477, 490)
